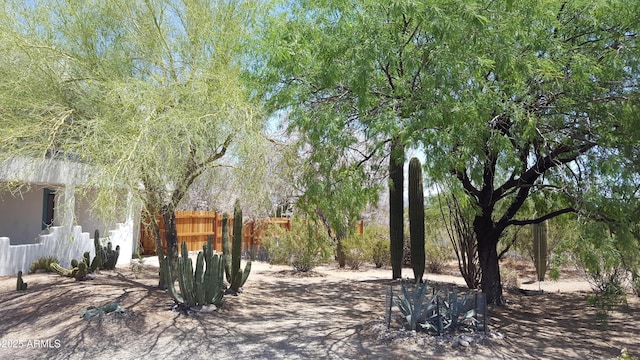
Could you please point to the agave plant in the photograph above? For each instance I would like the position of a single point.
(444, 313)
(411, 304)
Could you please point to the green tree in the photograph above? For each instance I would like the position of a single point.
(338, 66)
(148, 93)
(544, 111)
(512, 100)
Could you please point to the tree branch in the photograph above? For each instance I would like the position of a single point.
(542, 218)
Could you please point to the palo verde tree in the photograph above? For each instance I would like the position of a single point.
(149, 94)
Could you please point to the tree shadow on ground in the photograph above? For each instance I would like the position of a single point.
(279, 317)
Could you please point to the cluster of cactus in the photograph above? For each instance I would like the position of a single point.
(235, 277)
(105, 259)
(416, 218)
(79, 271)
(202, 287)
(21, 285)
(106, 256)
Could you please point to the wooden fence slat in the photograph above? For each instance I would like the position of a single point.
(195, 227)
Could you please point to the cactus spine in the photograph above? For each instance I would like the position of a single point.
(204, 286)
(540, 243)
(21, 285)
(416, 218)
(235, 276)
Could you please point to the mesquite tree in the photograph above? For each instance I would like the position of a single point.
(512, 100)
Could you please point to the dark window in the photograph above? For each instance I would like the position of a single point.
(48, 208)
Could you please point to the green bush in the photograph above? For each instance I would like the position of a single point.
(381, 253)
(437, 256)
(43, 264)
(357, 251)
(305, 246)
(370, 247)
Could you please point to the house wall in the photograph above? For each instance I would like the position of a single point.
(21, 239)
(64, 246)
(21, 217)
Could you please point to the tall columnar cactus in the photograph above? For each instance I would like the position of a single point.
(540, 246)
(235, 276)
(226, 246)
(21, 285)
(204, 286)
(416, 218)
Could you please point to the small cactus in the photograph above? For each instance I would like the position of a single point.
(21, 285)
(80, 273)
(56, 268)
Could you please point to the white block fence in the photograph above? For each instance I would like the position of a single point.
(64, 245)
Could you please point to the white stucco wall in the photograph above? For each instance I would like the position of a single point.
(21, 216)
(21, 239)
(58, 243)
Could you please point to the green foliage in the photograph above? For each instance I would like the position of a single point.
(357, 250)
(624, 355)
(600, 254)
(381, 255)
(42, 264)
(149, 95)
(437, 254)
(202, 287)
(416, 218)
(543, 106)
(20, 285)
(303, 247)
(370, 247)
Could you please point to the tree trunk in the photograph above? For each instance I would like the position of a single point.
(159, 250)
(340, 255)
(396, 207)
(488, 235)
(171, 236)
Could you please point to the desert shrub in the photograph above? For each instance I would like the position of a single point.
(509, 277)
(305, 246)
(624, 355)
(357, 251)
(381, 253)
(371, 246)
(437, 256)
(43, 264)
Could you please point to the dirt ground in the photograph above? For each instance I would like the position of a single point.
(335, 314)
